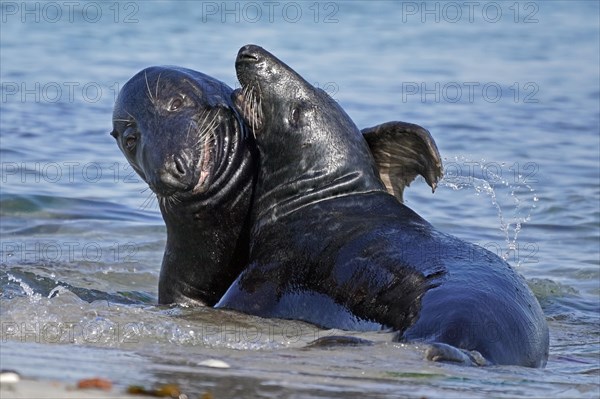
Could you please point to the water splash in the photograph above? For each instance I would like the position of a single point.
(33, 296)
(56, 291)
(490, 178)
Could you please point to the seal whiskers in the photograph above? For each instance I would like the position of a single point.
(249, 104)
(152, 100)
(150, 199)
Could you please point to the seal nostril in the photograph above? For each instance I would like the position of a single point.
(179, 166)
(247, 57)
(248, 54)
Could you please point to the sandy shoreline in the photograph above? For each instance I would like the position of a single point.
(34, 389)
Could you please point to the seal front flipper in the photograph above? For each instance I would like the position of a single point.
(440, 352)
(402, 151)
(333, 341)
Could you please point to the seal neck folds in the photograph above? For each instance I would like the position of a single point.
(302, 159)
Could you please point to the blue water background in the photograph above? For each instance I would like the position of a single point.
(509, 90)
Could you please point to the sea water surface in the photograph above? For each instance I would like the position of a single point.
(509, 90)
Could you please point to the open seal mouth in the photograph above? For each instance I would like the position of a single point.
(248, 103)
(207, 145)
(206, 166)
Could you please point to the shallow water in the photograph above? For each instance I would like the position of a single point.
(509, 90)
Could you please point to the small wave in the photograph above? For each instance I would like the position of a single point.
(545, 288)
(563, 303)
(64, 208)
(63, 317)
(22, 283)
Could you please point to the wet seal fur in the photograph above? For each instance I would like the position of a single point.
(330, 246)
(180, 132)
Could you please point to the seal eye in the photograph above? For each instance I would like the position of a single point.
(176, 104)
(295, 118)
(130, 142)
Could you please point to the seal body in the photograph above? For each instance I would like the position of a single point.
(180, 132)
(330, 246)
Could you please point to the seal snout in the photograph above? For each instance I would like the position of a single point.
(249, 53)
(177, 173)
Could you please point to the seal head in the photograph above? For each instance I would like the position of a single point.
(179, 132)
(321, 164)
